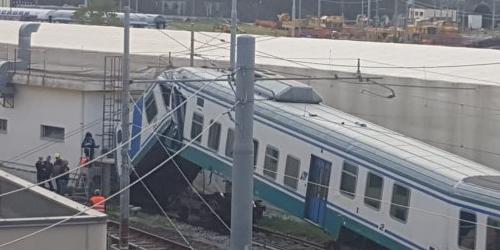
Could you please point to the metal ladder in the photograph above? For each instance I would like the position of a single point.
(112, 101)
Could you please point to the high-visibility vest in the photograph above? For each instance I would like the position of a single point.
(99, 200)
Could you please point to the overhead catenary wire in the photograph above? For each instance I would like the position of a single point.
(121, 190)
(111, 150)
(161, 208)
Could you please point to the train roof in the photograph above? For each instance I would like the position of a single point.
(394, 152)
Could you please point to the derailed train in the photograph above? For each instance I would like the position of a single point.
(369, 187)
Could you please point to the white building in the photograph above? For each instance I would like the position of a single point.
(25, 212)
(454, 108)
(418, 14)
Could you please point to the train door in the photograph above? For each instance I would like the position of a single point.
(317, 190)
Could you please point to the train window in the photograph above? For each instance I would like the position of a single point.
(166, 91)
(493, 234)
(255, 151)
(200, 102)
(151, 109)
(467, 230)
(292, 172)
(230, 143)
(348, 180)
(400, 202)
(197, 126)
(271, 161)
(214, 136)
(373, 191)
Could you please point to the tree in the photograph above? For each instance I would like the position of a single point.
(99, 12)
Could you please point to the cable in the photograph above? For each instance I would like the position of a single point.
(118, 192)
(185, 177)
(116, 148)
(161, 208)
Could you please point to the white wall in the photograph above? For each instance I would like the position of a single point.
(55, 107)
(76, 237)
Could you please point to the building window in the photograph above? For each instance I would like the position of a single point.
(348, 180)
(467, 230)
(197, 127)
(255, 151)
(214, 136)
(51, 132)
(400, 202)
(292, 172)
(230, 143)
(271, 162)
(493, 234)
(200, 102)
(151, 109)
(3, 126)
(373, 191)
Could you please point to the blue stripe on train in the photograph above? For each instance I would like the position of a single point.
(135, 145)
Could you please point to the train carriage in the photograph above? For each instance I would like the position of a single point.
(366, 185)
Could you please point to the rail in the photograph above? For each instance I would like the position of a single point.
(279, 240)
(142, 240)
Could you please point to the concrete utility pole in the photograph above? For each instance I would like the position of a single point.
(191, 55)
(234, 29)
(293, 18)
(242, 173)
(125, 175)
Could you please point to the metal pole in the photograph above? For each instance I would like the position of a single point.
(136, 6)
(395, 15)
(242, 173)
(319, 14)
(191, 55)
(293, 18)
(234, 26)
(377, 18)
(362, 7)
(125, 170)
(493, 16)
(369, 11)
(463, 16)
(300, 16)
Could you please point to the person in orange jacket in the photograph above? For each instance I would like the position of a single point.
(98, 201)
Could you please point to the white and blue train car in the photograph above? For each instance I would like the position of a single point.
(366, 185)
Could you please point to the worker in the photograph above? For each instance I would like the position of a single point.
(39, 169)
(97, 201)
(60, 167)
(88, 146)
(46, 172)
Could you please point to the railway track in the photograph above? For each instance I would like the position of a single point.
(142, 240)
(269, 239)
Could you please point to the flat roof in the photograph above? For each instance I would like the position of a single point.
(385, 59)
(17, 208)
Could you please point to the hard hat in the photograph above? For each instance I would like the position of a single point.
(97, 192)
(57, 155)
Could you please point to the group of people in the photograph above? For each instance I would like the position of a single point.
(46, 169)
